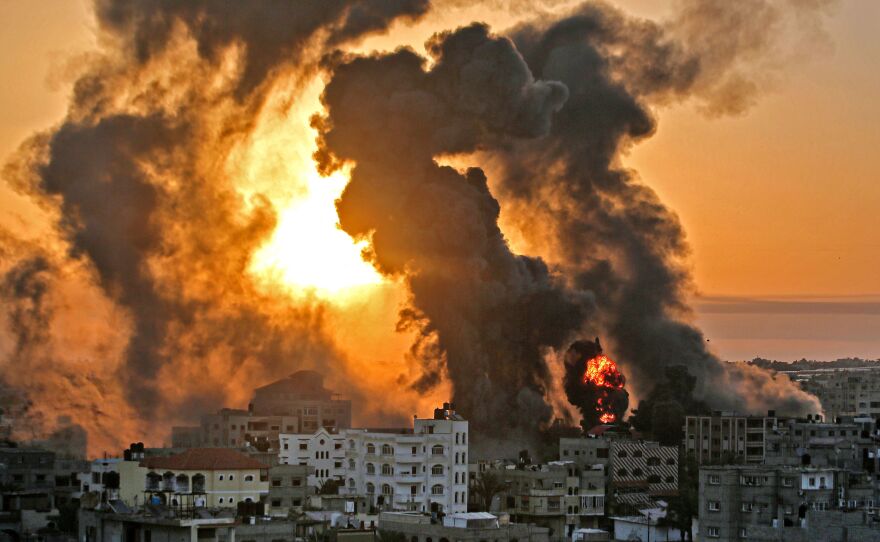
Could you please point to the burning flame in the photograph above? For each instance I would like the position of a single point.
(601, 371)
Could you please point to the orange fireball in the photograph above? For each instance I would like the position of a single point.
(601, 371)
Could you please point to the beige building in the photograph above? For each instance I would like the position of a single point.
(212, 477)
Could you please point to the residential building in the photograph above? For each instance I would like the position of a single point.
(728, 437)
(809, 443)
(420, 469)
(843, 392)
(27, 468)
(736, 500)
(303, 395)
(460, 527)
(288, 488)
(585, 451)
(113, 478)
(119, 523)
(560, 495)
(641, 472)
(209, 477)
(298, 404)
(322, 450)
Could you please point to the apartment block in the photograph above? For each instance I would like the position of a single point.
(324, 452)
(726, 436)
(421, 469)
(737, 501)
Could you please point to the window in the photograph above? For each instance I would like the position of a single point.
(743, 532)
(437, 470)
(276, 482)
(714, 506)
(371, 489)
(437, 449)
(303, 446)
(220, 500)
(351, 464)
(387, 449)
(220, 477)
(276, 503)
(386, 489)
(351, 483)
(232, 477)
(248, 477)
(437, 489)
(713, 532)
(714, 479)
(787, 481)
(371, 449)
(371, 469)
(387, 470)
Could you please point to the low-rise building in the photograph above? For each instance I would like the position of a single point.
(289, 490)
(460, 527)
(206, 476)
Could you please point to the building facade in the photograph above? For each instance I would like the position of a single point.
(729, 437)
(322, 451)
(289, 490)
(423, 469)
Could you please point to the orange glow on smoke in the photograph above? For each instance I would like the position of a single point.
(602, 372)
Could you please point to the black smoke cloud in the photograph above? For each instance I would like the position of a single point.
(136, 176)
(549, 118)
(492, 314)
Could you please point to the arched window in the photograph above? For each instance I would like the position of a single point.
(386, 489)
(456, 458)
(387, 470)
(371, 449)
(220, 500)
(248, 477)
(371, 489)
(351, 464)
(351, 483)
(437, 470)
(351, 444)
(371, 469)
(437, 449)
(437, 489)
(198, 483)
(387, 449)
(232, 477)
(569, 509)
(153, 481)
(182, 483)
(168, 481)
(456, 438)
(622, 472)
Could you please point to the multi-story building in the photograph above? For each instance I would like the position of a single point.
(560, 495)
(322, 450)
(735, 501)
(420, 469)
(642, 472)
(298, 404)
(467, 527)
(27, 468)
(114, 478)
(288, 488)
(808, 443)
(843, 392)
(729, 437)
(303, 395)
(206, 477)
(585, 451)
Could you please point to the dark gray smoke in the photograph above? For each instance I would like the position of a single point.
(137, 174)
(608, 232)
(490, 313)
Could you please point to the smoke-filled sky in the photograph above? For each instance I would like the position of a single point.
(167, 242)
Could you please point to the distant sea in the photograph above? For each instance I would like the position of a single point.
(790, 328)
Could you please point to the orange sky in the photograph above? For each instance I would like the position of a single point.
(783, 201)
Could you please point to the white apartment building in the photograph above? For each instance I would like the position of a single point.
(421, 469)
(322, 450)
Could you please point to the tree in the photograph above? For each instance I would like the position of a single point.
(686, 505)
(487, 485)
(329, 486)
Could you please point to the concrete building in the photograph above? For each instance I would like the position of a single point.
(324, 452)
(113, 478)
(842, 445)
(303, 395)
(737, 501)
(559, 495)
(843, 392)
(640, 473)
(212, 477)
(461, 527)
(728, 437)
(289, 490)
(26, 468)
(126, 525)
(420, 469)
(298, 404)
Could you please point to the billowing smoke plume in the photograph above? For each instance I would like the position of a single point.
(606, 232)
(488, 314)
(549, 118)
(138, 175)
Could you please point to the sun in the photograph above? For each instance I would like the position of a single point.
(308, 251)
